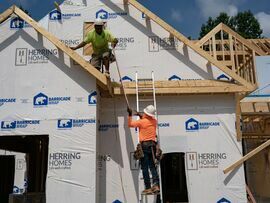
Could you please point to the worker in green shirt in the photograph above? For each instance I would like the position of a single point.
(100, 39)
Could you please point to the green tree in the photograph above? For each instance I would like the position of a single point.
(244, 23)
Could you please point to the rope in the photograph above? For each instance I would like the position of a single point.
(122, 86)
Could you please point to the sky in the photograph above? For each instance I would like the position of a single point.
(186, 16)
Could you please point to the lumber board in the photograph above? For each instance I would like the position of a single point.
(6, 14)
(246, 157)
(101, 79)
(193, 46)
(238, 118)
(210, 34)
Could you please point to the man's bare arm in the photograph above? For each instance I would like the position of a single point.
(82, 44)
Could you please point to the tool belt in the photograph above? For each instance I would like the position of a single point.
(138, 154)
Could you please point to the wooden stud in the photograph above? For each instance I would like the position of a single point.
(214, 46)
(246, 157)
(238, 117)
(101, 79)
(232, 53)
(222, 45)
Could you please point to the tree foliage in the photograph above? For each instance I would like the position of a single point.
(244, 23)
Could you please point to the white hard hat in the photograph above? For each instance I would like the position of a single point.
(99, 21)
(150, 111)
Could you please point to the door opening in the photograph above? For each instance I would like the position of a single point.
(35, 149)
(174, 184)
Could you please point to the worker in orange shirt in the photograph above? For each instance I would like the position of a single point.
(147, 125)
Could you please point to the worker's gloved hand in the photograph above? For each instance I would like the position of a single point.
(129, 110)
(138, 114)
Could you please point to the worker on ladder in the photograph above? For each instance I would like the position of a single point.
(100, 38)
(147, 125)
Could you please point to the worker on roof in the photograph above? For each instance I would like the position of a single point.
(100, 38)
(147, 125)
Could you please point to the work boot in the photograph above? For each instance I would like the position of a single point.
(155, 189)
(147, 191)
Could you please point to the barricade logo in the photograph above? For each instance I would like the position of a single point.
(104, 15)
(143, 16)
(174, 77)
(55, 15)
(7, 100)
(11, 125)
(155, 44)
(194, 125)
(16, 190)
(204, 160)
(73, 123)
(117, 201)
(17, 23)
(7, 125)
(106, 127)
(126, 78)
(92, 98)
(124, 42)
(41, 100)
(63, 161)
(223, 77)
(223, 200)
(24, 56)
(64, 123)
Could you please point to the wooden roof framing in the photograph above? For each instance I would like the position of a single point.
(237, 53)
(101, 79)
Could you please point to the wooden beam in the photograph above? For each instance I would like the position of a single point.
(184, 87)
(243, 40)
(101, 79)
(186, 41)
(246, 157)
(6, 14)
(238, 118)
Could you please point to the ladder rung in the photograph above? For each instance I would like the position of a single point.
(144, 79)
(145, 100)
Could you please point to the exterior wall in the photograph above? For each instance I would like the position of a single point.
(42, 92)
(209, 147)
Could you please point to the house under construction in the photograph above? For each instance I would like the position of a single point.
(64, 136)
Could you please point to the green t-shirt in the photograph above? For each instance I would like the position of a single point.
(99, 42)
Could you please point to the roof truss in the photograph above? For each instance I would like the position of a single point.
(102, 81)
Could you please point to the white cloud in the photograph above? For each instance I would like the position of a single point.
(264, 20)
(214, 7)
(176, 15)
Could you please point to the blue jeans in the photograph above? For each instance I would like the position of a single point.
(147, 163)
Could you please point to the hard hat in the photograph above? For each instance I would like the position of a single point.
(150, 111)
(99, 21)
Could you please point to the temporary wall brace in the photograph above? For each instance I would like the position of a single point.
(246, 157)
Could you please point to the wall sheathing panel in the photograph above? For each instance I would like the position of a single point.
(200, 126)
(42, 92)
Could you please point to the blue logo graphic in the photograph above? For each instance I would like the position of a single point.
(223, 200)
(70, 123)
(223, 76)
(16, 190)
(175, 77)
(40, 100)
(192, 124)
(17, 23)
(92, 98)
(143, 15)
(126, 78)
(117, 201)
(64, 123)
(7, 125)
(55, 15)
(102, 14)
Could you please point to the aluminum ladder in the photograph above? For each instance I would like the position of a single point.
(146, 95)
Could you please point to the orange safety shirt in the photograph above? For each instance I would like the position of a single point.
(147, 127)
